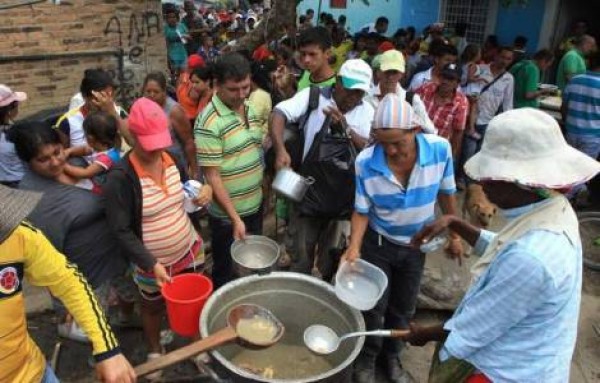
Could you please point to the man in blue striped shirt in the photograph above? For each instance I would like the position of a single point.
(581, 109)
(518, 320)
(398, 181)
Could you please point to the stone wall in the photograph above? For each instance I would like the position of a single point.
(46, 47)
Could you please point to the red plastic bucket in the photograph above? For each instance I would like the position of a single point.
(185, 297)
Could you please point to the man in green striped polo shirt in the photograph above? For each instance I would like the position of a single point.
(229, 138)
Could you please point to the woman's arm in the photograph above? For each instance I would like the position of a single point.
(120, 202)
(183, 129)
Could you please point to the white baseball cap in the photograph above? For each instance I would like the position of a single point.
(356, 74)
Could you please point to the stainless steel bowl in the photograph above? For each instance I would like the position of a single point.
(256, 254)
(291, 184)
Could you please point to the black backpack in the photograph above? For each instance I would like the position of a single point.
(294, 143)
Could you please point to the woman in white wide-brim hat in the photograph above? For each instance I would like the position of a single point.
(518, 320)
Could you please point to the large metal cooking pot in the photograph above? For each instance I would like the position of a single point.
(298, 301)
(291, 184)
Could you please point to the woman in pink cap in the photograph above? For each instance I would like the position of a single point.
(145, 209)
(11, 167)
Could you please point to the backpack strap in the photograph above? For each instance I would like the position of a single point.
(409, 96)
(313, 103)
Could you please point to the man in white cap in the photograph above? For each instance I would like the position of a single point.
(518, 320)
(398, 181)
(26, 253)
(390, 72)
(343, 104)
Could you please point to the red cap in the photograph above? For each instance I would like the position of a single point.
(150, 125)
(195, 61)
(261, 53)
(386, 46)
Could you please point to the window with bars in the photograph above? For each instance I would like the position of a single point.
(472, 12)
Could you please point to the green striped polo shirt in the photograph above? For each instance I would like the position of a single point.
(234, 144)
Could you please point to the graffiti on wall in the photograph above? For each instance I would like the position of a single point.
(132, 34)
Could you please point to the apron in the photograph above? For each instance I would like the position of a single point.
(555, 215)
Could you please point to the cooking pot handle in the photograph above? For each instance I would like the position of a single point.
(309, 180)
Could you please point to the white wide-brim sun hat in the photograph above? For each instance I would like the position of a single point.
(526, 146)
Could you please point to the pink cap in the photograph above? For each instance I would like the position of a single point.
(7, 96)
(150, 125)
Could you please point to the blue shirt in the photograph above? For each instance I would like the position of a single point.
(582, 97)
(396, 211)
(518, 322)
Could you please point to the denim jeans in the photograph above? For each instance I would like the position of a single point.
(403, 266)
(49, 376)
(222, 238)
(589, 145)
(470, 147)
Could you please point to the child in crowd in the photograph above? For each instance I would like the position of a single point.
(471, 82)
(101, 133)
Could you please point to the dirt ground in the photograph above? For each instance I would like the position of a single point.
(73, 363)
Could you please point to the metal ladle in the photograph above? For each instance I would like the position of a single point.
(323, 340)
(225, 335)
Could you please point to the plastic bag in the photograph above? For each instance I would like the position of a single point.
(330, 161)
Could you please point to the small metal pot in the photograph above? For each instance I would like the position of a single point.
(291, 184)
(256, 254)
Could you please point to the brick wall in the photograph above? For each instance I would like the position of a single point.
(44, 48)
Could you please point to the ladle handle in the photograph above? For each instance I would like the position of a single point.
(382, 333)
(218, 338)
(399, 333)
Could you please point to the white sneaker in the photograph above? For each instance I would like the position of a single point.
(156, 375)
(71, 330)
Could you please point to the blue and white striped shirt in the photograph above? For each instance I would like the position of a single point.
(395, 211)
(582, 96)
(518, 322)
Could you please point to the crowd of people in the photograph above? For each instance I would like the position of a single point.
(389, 128)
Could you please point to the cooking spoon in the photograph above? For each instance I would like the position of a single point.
(225, 335)
(323, 340)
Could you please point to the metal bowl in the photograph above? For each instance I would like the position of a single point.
(256, 254)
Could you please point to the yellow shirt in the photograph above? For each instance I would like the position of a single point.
(262, 104)
(340, 54)
(26, 253)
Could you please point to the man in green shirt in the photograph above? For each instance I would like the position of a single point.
(314, 46)
(573, 62)
(527, 77)
(229, 138)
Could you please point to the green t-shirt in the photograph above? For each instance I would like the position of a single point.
(234, 144)
(571, 64)
(305, 81)
(527, 77)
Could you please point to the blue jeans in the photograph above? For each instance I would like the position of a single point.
(403, 266)
(589, 145)
(470, 147)
(49, 376)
